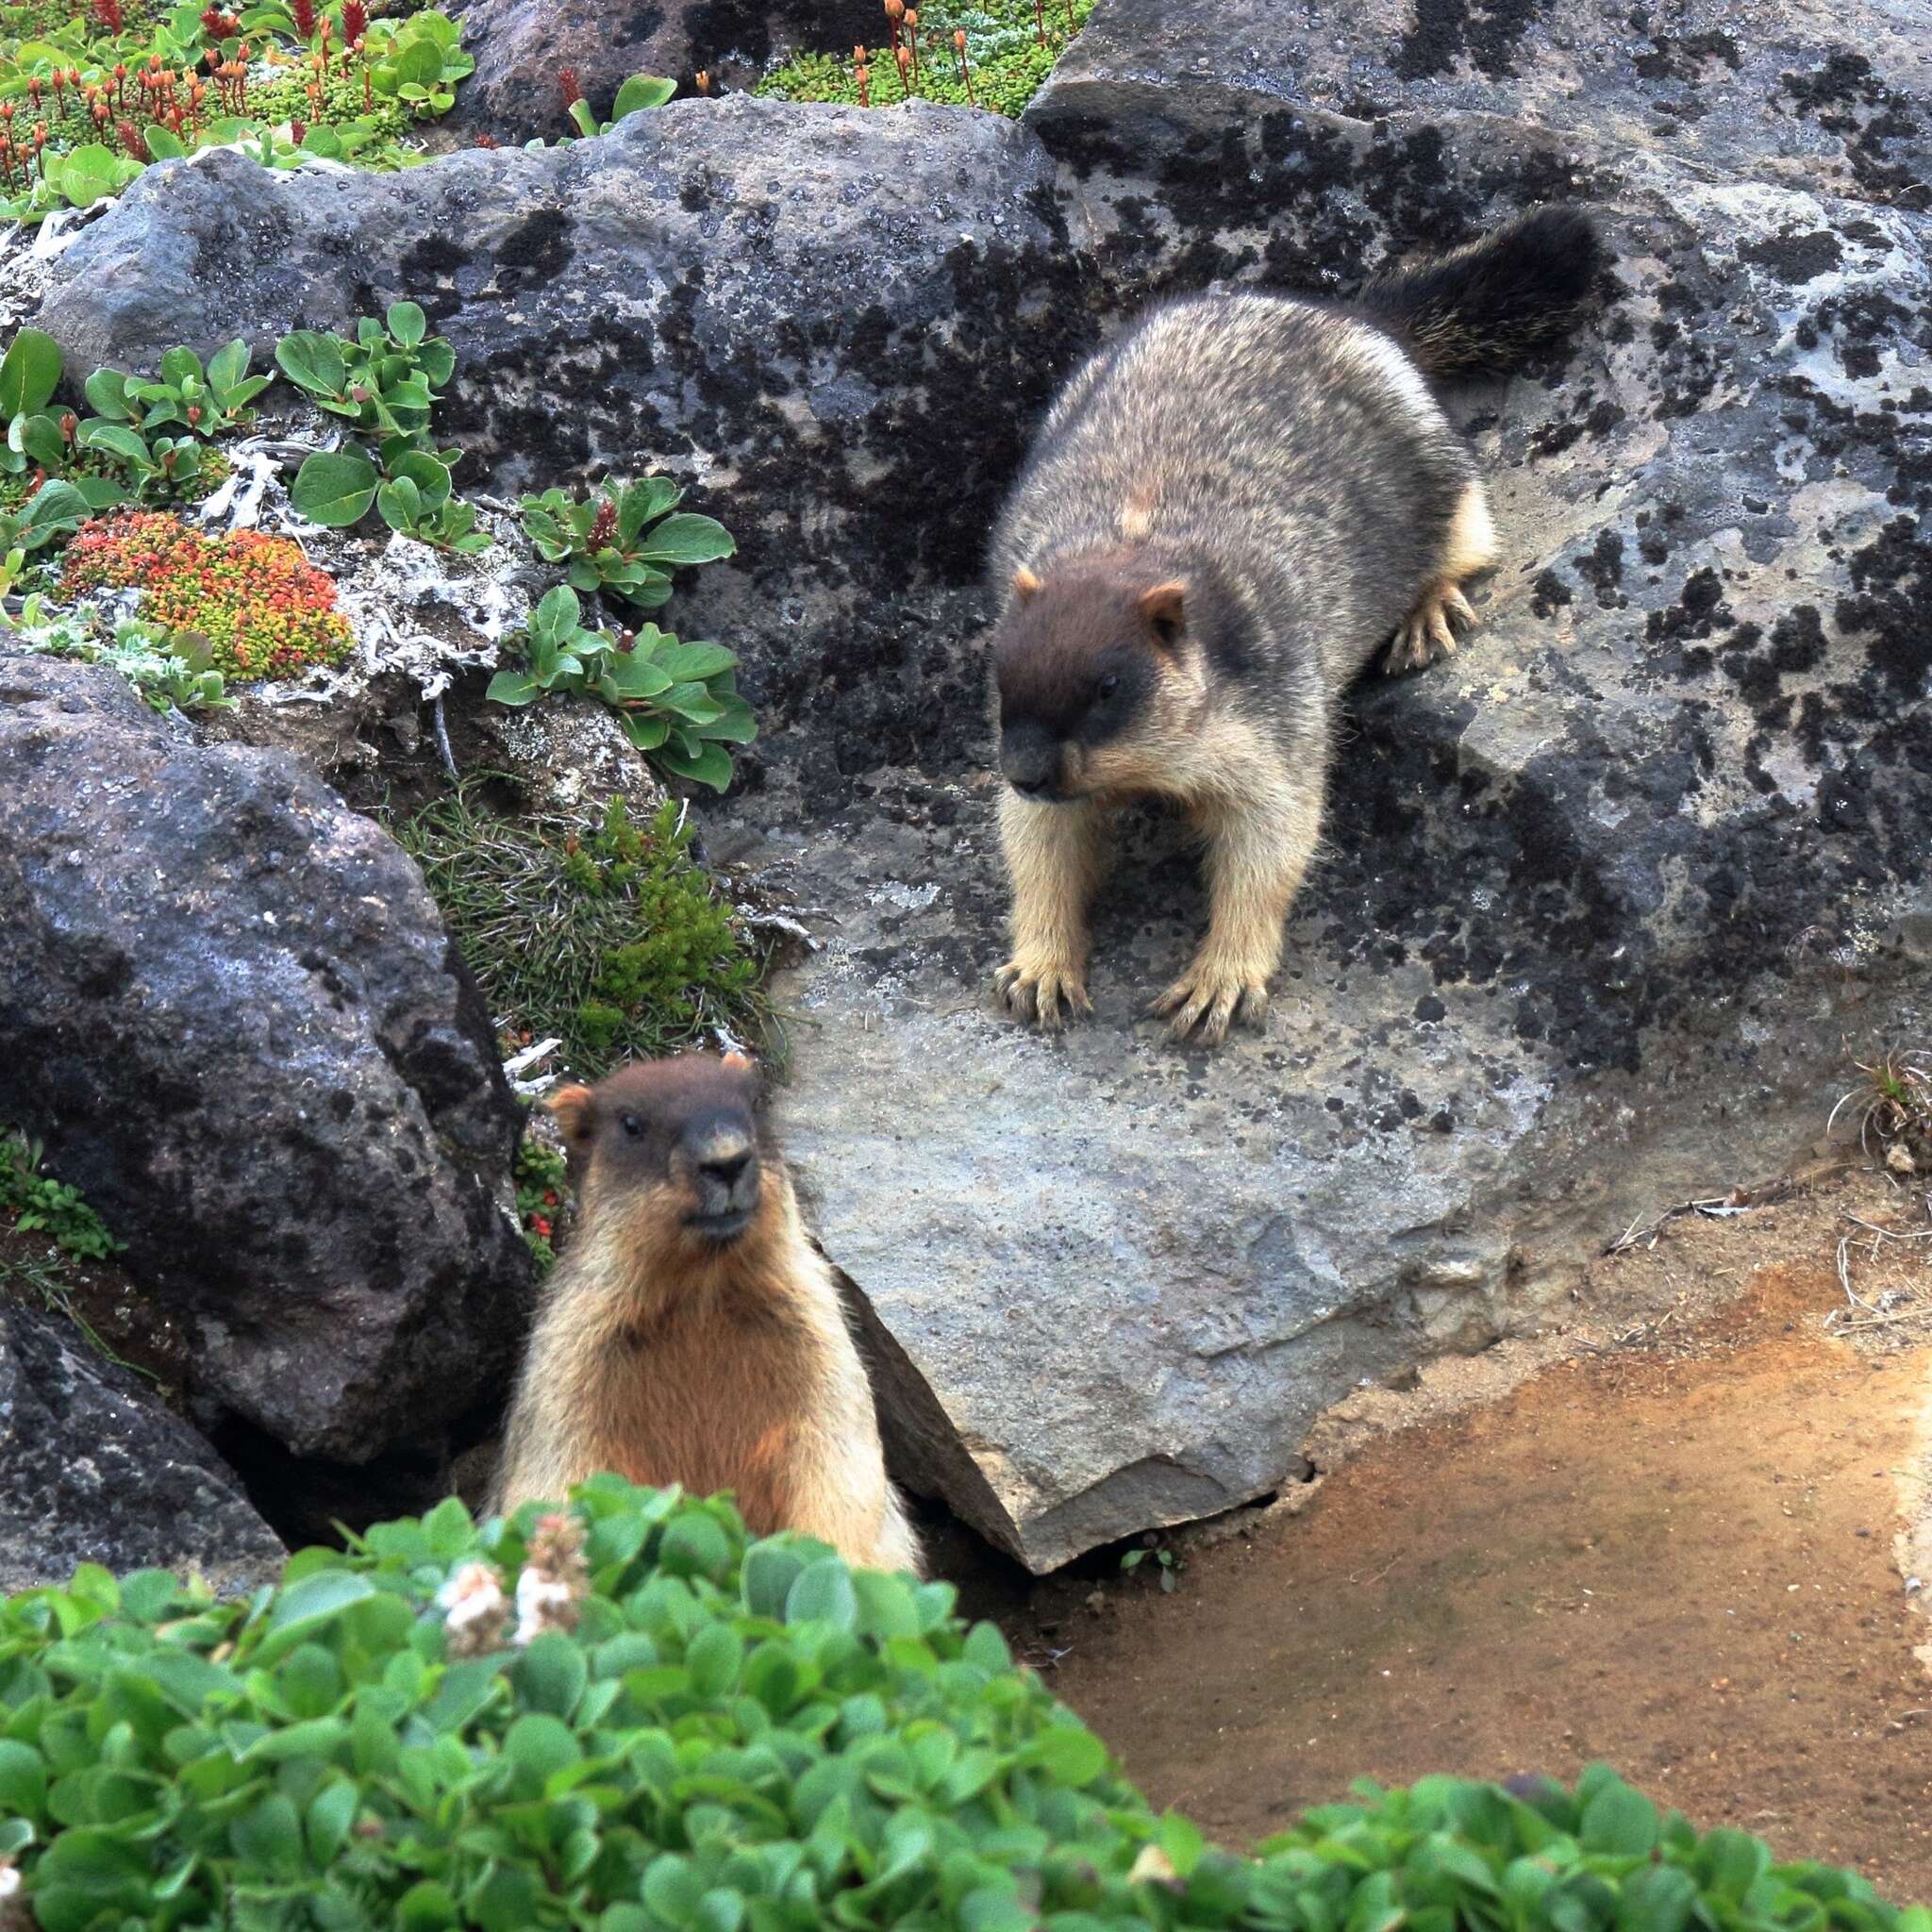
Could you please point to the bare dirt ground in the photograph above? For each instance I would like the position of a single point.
(1678, 1546)
(101, 1297)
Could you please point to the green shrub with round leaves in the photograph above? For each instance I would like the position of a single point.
(733, 1735)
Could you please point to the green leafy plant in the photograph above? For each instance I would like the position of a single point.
(676, 700)
(91, 173)
(106, 457)
(628, 1715)
(51, 513)
(335, 488)
(277, 147)
(29, 373)
(208, 402)
(1151, 1549)
(625, 540)
(162, 470)
(542, 1178)
(35, 1202)
(639, 93)
(420, 61)
(168, 670)
(417, 500)
(603, 933)
(385, 381)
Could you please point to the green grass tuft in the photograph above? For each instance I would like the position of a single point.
(607, 935)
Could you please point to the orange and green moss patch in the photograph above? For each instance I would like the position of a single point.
(264, 608)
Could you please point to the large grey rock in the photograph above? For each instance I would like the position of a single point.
(835, 325)
(230, 1009)
(1605, 899)
(521, 46)
(94, 1470)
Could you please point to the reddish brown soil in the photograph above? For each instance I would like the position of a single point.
(1675, 1557)
(101, 1297)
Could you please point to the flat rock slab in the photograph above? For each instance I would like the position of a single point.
(94, 1470)
(230, 1009)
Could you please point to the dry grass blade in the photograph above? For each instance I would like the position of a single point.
(1894, 1101)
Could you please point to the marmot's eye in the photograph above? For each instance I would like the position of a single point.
(1109, 684)
(631, 1125)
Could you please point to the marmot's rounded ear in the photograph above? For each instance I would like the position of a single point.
(1164, 608)
(1026, 585)
(570, 1108)
(742, 1063)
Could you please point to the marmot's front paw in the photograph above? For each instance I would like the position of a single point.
(1038, 988)
(1428, 633)
(1206, 998)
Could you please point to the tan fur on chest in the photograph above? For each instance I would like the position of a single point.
(711, 1397)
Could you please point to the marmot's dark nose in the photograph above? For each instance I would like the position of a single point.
(1029, 762)
(725, 1157)
(729, 1168)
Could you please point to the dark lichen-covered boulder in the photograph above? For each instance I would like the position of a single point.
(521, 47)
(94, 1470)
(835, 326)
(1235, 137)
(231, 1010)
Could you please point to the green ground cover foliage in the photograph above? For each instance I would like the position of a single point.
(92, 90)
(1010, 48)
(62, 1234)
(697, 1730)
(34, 1201)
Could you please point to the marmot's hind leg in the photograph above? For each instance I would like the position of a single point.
(1428, 633)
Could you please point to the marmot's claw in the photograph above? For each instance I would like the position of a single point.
(1035, 992)
(1428, 633)
(1205, 1001)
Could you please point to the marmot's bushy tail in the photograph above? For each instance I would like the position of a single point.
(1481, 309)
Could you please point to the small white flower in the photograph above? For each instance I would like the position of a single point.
(544, 1603)
(473, 1603)
(10, 1881)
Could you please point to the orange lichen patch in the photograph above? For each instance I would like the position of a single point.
(264, 608)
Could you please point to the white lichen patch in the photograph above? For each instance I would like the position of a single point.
(414, 610)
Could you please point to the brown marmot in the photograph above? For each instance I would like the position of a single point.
(1227, 514)
(691, 1333)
